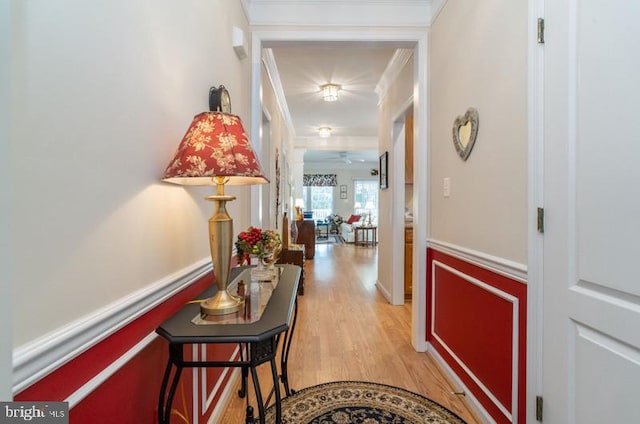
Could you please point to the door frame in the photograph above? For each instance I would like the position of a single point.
(6, 339)
(418, 40)
(399, 147)
(535, 156)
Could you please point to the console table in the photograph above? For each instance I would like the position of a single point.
(258, 338)
(365, 236)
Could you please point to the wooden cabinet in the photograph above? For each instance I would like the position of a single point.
(408, 150)
(408, 262)
(294, 256)
(307, 236)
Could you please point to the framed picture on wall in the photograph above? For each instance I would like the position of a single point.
(343, 195)
(384, 168)
(343, 189)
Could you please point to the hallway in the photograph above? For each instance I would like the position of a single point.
(346, 330)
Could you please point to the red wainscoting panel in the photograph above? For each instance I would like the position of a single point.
(476, 321)
(130, 395)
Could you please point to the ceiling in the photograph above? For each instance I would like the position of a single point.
(353, 118)
(363, 69)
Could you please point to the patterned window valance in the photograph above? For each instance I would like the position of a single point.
(320, 180)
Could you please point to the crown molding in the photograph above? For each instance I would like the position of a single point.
(246, 7)
(391, 72)
(436, 7)
(276, 83)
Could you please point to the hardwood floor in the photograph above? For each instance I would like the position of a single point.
(346, 330)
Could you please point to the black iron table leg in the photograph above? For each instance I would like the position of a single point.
(172, 392)
(243, 385)
(163, 391)
(245, 373)
(276, 388)
(164, 406)
(286, 346)
(256, 386)
(249, 416)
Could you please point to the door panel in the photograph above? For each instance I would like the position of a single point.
(603, 366)
(591, 295)
(606, 99)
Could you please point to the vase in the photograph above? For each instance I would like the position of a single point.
(267, 262)
(265, 268)
(294, 232)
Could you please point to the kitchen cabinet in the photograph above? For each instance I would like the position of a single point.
(408, 262)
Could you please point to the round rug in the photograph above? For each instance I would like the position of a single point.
(347, 402)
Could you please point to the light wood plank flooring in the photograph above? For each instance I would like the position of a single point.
(346, 330)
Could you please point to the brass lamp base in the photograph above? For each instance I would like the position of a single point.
(221, 303)
(220, 242)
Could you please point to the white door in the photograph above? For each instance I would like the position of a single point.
(591, 287)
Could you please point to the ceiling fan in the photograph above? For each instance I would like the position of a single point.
(346, 157)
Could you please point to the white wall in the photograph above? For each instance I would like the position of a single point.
(281, 140)
(487, 210)
(6, 282)
(392, 106)
(103, 93)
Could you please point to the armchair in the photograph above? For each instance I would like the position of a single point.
(346, 228)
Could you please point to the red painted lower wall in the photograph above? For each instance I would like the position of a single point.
(476, 321)
(130, 395)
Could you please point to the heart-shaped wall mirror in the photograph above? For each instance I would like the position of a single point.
(465, 131)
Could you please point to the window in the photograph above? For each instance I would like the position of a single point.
(319, 200)
(365, 197)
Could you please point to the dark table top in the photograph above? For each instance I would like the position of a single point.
(275, 318)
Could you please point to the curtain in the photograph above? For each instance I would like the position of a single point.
(319, 180)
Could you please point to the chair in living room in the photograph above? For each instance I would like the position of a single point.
(347, 228)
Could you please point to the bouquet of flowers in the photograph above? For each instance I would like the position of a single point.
(335, 219)
(258, 242)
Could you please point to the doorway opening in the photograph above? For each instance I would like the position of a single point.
(400, 38)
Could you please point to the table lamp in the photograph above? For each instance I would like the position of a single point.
(216, 151)
(369, 206)
(299, 205)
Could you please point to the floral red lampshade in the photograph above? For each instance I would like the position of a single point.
(215, 145)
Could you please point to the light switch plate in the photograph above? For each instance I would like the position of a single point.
(446, 187)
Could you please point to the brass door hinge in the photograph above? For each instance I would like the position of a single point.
(540, 30)
(541, 220)
(539, 408)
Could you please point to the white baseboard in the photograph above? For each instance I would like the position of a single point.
(472, 402)
(384, 291)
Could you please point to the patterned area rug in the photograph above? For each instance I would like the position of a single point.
(332, 238)
(347, 402)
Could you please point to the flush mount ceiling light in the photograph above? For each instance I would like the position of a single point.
(330, 92)
(324, 132)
